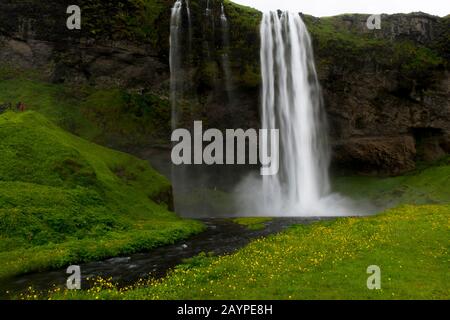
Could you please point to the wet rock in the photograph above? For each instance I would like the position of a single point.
(376, 155)
(119, 260)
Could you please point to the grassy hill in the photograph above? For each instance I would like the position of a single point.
(65, 200)
(428, 184)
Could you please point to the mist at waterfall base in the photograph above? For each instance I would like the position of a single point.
(291, 102)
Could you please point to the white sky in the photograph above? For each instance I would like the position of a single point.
(322, 8)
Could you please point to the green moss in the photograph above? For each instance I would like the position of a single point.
(65, 200)
(416, 62)
(251, 77)
(252, 223)
(209, 73)
(244, 36)
(134, 20)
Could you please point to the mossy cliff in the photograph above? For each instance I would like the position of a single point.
(386, 91)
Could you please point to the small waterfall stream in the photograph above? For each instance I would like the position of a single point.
(175, 60)
(189, 17)
(225, 56)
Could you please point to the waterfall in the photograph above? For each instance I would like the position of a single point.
(209, 30)
(292, 103)
(224, 56)
(223, 16)
(175, 60)
(208, 9)
(189, 17)
(180, 62)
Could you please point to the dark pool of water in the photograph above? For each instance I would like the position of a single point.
(221, 237)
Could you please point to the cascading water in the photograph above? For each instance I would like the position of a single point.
(189, 17)
(180, 62)
(208, 9)
(175, 60)
(180, 58)
(224, 56)
(224, 24)
(292, 103)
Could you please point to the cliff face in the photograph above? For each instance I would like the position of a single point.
(110, 49)
(386, 91)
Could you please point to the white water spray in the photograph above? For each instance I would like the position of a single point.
(292, 103)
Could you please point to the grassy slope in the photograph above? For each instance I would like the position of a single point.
(328, 260)
(423, 186)
(66, 200)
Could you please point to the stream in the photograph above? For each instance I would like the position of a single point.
(220, 238)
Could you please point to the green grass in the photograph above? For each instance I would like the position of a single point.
(423, 186)
(325, 260)
(252, 223)
(65, 200)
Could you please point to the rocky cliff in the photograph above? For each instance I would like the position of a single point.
(386, 91)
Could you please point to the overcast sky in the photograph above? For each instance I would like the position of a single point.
(321, 8)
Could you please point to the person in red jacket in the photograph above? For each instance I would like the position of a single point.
(21, 107)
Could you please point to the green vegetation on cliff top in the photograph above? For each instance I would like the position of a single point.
(65, 200)
(334, 40)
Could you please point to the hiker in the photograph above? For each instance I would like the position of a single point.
(21, 107)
